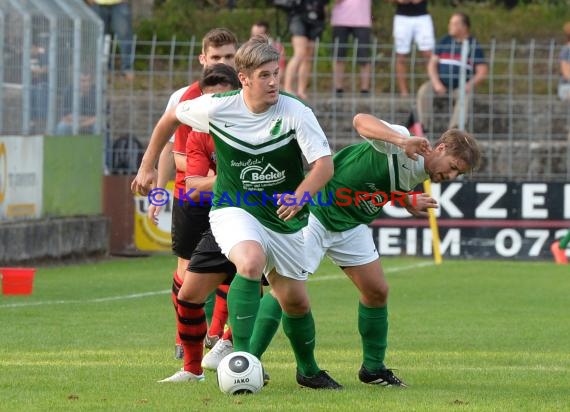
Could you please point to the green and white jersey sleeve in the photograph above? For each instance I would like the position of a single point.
(386, 147)
(258, 154)
(194, 112)
(367, 175)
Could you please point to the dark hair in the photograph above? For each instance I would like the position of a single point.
(262, 23)
(464, 19)
(218, 37)
(219, 74)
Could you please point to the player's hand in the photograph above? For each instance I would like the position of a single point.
(419, 204)
(288, 206)
(144, 181)
(152, 213)
(415, 146)
(439, 89)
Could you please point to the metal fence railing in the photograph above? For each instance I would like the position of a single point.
(516, 114)
(52, 67)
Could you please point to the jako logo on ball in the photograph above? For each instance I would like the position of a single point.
(240, 372)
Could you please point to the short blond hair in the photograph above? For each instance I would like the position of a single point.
(254, 53)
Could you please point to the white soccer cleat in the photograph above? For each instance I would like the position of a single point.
(183, 376)
(221, 349)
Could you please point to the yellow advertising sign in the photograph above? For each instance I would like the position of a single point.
(150, 236)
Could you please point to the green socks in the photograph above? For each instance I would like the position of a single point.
(565, 240)
(301, 334)
(266, 324)
(243, 305)
(209, 307)
(373, 328)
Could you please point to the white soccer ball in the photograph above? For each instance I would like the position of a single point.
(240, 372)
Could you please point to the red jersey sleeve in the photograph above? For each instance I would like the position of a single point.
(199, 154)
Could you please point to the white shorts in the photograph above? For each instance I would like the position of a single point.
(353, 247)
(416, 28)
(284, 251)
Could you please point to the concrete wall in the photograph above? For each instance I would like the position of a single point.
(71, 222)
(25, 241)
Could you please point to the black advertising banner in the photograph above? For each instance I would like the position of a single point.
(481, 220)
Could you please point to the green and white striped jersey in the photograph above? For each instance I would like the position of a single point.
(258, 154)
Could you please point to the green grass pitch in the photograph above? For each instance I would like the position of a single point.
(465, 335)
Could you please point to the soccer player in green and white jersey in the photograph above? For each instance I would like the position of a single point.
(388, 163)
(260, 135)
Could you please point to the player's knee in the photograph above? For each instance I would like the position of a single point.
(296, 307)
(377, 296)
(251, 268)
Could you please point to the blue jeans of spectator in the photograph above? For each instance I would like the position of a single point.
(117, 19)
(39, 102)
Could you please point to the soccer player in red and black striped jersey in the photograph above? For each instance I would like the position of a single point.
(189, 221)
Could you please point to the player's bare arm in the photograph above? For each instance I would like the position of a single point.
(321, 172)
(199, 184)
(373, 128)
(147, 175)
(165, 173)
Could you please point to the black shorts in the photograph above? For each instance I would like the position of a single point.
(362, 34)
(188, 224)
(300, 27)
(208, 258)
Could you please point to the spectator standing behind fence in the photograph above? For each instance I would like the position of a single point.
(412, 22)
(87, 110)
(117, 19)
(564, 82)
(306, 24)
(352, 17)
(261, 27)
(444, 68)
(39, 90)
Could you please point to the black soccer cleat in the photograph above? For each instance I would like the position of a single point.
(321, 380)
(266, 378)
(384, 377)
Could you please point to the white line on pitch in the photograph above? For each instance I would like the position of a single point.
(96, 300)
(319, 278)
(163, 292)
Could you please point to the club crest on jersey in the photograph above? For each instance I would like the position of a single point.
(256, 177)
(275, 129)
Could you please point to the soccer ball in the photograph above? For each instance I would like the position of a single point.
(240, 372)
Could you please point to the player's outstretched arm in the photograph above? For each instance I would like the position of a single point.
(372, 127)
(165, 173)
(147, 175)
(321, 172)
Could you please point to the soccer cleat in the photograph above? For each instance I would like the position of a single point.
(559, 254)
(221, 349)
(179, 352)
(210, 341)
(183, 376)
(385, 377)
(321, 380)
